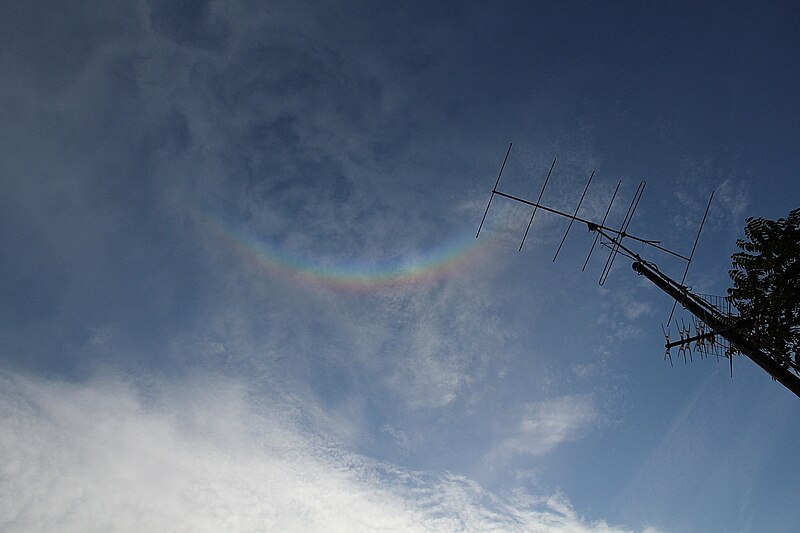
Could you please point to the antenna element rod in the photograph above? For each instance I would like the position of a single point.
(622, 229)
(572, 219)
(496, 183)
(689, 261)
(597, 236)
(537, 201)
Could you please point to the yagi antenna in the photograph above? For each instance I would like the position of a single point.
(715, 330)
(612, 235)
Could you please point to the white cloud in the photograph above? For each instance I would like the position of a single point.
(545, 425)
(585, 370)
(633, 306)
(205, 456)
(732, 196)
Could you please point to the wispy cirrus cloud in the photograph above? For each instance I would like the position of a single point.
(731, 196)
(203, 456)
(541, 427)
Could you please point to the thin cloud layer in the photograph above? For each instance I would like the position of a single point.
(545, 425)
(289, 193)
(201, 457)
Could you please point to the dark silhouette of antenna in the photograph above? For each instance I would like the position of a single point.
(698, 338)
(715, 330)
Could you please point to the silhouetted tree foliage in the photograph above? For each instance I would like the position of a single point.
(766, 285)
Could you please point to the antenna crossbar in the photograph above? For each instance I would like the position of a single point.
(700, 337)
(593, 226)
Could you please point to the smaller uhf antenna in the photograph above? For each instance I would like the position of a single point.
(715, 329)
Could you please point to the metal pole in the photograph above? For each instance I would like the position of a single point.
(740, 342)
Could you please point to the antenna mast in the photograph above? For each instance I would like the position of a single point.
(711, 322)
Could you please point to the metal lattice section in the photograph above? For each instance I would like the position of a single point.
(697, 337)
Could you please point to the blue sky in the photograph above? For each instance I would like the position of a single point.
(241, 290)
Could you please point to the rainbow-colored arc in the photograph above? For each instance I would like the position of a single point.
(455, 256)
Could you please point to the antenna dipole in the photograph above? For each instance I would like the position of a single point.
(537, 201)
(572, 219)
(615, 246)
(719, 324)
(494, 189)
(691, 254)
(597, 235)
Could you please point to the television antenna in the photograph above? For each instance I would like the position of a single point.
(715, 329)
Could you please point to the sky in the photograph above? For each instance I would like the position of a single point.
(241, 289)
